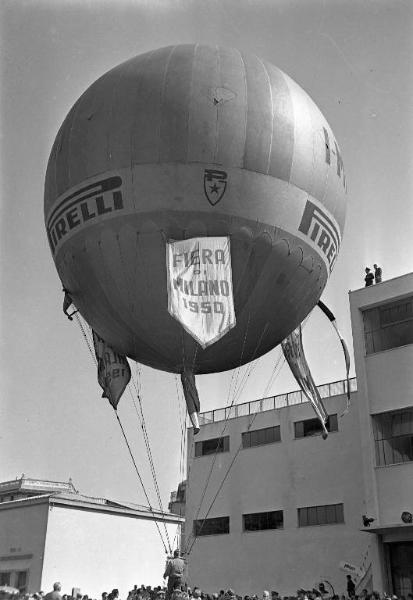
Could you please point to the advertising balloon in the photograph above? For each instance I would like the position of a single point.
(204, 143)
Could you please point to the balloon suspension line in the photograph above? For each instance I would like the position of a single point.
(185, 450)
(234, 378)
(274, 374)
(140, 479)
(82, 329)
(182, 423)
(188, 550)
(227, 416)
(92, 353)
(141, 418)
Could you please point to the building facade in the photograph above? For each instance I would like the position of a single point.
(91, 544)
(382, 324)
(284, 509)
(177, 505)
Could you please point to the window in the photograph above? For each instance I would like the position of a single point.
(320, 515)
(263, 520)
(393, 437)
(211, 446)
(388, 326)
(21, 580)
(214, 526)
(259, 437)
(5, 577)
(311, 427)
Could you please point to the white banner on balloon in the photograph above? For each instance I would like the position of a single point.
(200, 294)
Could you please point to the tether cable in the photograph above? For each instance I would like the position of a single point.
(188, 550)
(227, 416)
(140, 479)
(78, 319)
(141, 418)
(272, 377)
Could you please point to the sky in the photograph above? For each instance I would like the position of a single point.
(353, 58)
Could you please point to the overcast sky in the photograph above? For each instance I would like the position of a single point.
(355, 61)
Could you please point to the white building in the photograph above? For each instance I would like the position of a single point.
(283, 508)
(49, 532)
(382, 323)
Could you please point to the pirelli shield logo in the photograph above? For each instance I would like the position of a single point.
(83, 206)
(322, 231)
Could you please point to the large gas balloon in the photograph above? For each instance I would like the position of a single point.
(192, 141)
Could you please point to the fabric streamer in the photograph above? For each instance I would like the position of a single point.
(191, 398)
(293, 351)
(333, 321)
(67, 303)
(113, 370)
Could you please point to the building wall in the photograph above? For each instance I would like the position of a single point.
(284, 476)
(384, 383)
(388, 379)
(97, 552)
(394, 491)
(22, 538)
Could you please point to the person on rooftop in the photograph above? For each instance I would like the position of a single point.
(377, 273)
(369, 278)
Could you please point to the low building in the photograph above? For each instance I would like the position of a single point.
(49, 532)
(285, 509)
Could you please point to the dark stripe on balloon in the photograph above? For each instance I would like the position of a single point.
(78, 150)
(282, 146)
(96, 111)
(125, 95)
(62, 172)
(231, 109)
(259, 116)
(173, 142)
(50, 179)
(202, 112)
(89, 141)
(147, 109)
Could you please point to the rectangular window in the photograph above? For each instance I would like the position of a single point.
(21, 580)
(211, 446)
(327, 514)
(263, 520)
(213, 526)
(393, 437)
(311, 427)
(388, 326)
(5, 577)
(259, 437)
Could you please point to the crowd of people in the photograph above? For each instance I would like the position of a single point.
(183, 592)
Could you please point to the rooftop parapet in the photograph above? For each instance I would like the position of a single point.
(336, 388)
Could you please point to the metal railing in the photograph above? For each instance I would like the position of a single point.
(336, 388)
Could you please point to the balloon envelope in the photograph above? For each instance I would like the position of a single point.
(192, 141)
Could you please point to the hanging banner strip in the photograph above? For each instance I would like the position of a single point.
(191, 397)
(294, 354)
(113, 370)
(200, 293)
(333, 321)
